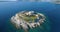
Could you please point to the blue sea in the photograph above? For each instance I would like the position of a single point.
(9, 9)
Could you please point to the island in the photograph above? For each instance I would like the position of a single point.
(27, 19)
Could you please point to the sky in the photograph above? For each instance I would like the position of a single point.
(32, 0)
(8, 0)
(25, 0)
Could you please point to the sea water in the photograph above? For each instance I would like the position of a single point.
(9, 9)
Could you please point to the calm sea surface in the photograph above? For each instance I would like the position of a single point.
(8, 9)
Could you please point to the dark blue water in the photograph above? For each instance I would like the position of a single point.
(8, 9)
